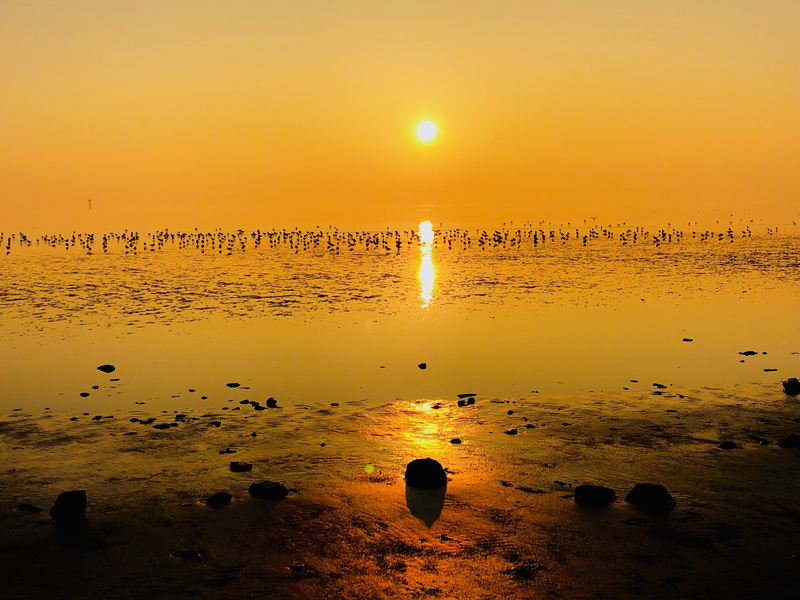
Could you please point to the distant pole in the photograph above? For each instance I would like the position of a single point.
(90, 204)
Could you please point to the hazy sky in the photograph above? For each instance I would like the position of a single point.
(184, 113)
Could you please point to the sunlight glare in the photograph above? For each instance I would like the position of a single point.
(426, 131)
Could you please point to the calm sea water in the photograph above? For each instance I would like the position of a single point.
(337, 317)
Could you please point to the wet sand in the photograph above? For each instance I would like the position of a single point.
(507, 524)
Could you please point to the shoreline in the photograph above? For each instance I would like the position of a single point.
(507, 523)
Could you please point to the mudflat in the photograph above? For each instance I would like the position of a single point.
(506, 523)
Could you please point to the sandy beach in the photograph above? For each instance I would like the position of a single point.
(507, 523)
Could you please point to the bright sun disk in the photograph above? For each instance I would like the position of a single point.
(426, 131)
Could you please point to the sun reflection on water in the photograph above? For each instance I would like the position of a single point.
(427, 274)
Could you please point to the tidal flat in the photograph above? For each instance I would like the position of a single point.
(589, 359)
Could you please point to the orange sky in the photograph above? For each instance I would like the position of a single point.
(248, 114)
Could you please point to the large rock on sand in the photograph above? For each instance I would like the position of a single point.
(594, 496)
(425, 474)
(791, 386)
(651, 497)
(70, 508)
(268, 490)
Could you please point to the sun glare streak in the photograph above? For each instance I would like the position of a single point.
(427, 273)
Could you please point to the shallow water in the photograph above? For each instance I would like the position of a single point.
(309, 318)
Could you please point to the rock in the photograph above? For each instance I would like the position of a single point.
(455, 441)
(29, 508)
(214, 424)
(180, 417)
(660, 386)
(84, 394)
(219, 500)
(259, 407)
(509, 412)
(462, 402)
(594, 496)
(530, 426)
(511, 431)
(148, 421)
(161, 426)
(232, 385)
(791, 386)
(748, 353)
(425, 474)
(651, 497)
(688, 340)
(107, 368)
(728, 446)
(793, 441)
(272, 403)
(238, 466)
(73, 418)
(423, 366)
(466, 395)
(244, 401)
(227, 451)
(97, 417)
(470, 400)
(70, 508)
(95, 387)
(334, 404)
(268, 490)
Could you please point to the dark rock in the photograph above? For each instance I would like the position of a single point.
(180, 417)
(191, 391)
(73, 418)
(594, 496)
(95, 387)
(240, 467)
(219, 500)
(511, 431)
(161, 426)
(228, 451)
(791, 386)
(509, 412)
(244, 402)
(322, 445)
(97, 417)
(688, 340)
(651, 497)
(769, 370)
(462, 402)
(254, 434)
(728, 446)
(268, 490)
(29, 508)
(107, 368)
(660, 386)
(530, 426)
(470, 400)
(148, 421)
(84, 394)
(748, 353)
(466, 395)
(272, 403)
(425, 474)
(793, 441)
(214, 424)
(259, 407)
(334, 404)
(232, 385)
(423, 365)
(190, 555)
(173, 424)
(70, 508)
(455, 441)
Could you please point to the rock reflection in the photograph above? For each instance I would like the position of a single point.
(426, 505)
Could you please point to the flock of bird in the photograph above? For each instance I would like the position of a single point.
(334, 241)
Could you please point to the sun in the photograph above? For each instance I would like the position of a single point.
(426, 131)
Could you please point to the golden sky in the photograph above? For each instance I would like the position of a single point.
(192, 113)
